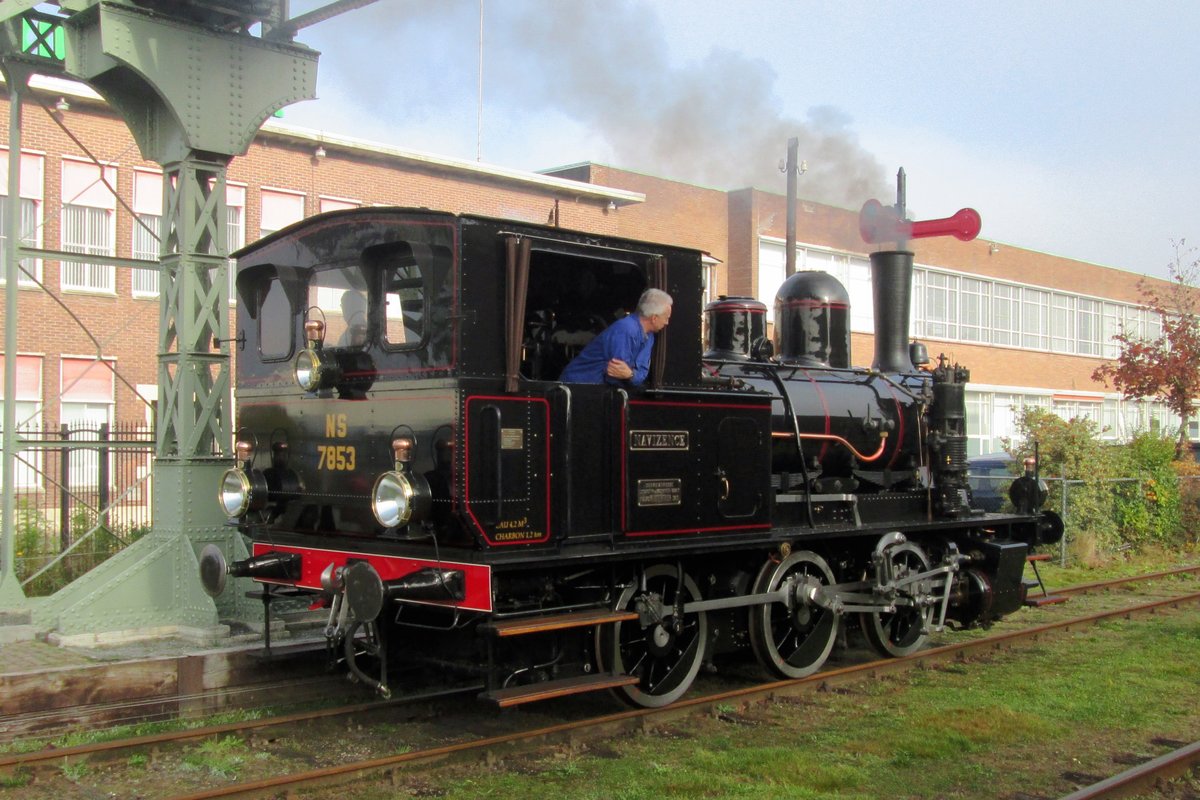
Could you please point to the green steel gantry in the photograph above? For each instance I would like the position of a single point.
(194, 85)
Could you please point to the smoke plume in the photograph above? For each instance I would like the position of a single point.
(604, 64)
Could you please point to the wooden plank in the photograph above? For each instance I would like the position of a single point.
(556, 622)
(517, 695)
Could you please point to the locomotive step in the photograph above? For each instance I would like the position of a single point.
(1045, 600)
(516, 695)
(1038, 557)
(556, 622)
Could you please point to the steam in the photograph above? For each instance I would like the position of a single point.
(716, 123)
(604, 64)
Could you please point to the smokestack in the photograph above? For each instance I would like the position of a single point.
(891, 285)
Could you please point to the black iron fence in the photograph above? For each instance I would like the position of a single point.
(82, 494)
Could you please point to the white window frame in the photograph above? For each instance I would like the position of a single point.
(33, 181)
(279, 208)
(147, 230)
(29, 408)
(86, 196)
(235, 230)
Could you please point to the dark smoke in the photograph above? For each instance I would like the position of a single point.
(604, 63)
(717, 123)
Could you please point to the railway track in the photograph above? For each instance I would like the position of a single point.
(1142, 778)
(491, 747)
(294, 691)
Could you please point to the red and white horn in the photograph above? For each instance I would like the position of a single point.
(880, 223)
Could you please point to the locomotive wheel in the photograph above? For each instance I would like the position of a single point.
(795, 643)
(904, 630)
(666, 654)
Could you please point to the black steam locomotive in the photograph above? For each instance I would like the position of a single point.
(407, 456)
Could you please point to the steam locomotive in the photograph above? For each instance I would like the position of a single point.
(407, 456)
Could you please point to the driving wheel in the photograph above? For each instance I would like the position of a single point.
(903, 631)
(662, 649)
(793, 639)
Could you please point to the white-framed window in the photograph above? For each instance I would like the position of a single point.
(280, 208)
(975, 304)
(862, 304)
(87, 390)
(1087, 326)
(235, 230)
(32, 183)
(1006, 314)
(709, 271)
(88, 225)
(1070, 408)
(147, 229)
(1062, 323)
(979, 423)
(1035, 319)
(771, 267)
(336, 204)
(940, 315)
(1110, 326)
(28, 469)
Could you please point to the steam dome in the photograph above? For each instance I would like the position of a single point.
(812, 321)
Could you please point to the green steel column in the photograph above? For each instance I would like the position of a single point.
(193, 97)
(11, 595)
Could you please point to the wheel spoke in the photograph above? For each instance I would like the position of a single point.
(903, 631)
(666, 657)
(792, 641)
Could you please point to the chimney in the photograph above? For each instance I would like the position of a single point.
(891, 283)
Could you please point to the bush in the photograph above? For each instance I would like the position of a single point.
(1072, 450)
(1119, 497)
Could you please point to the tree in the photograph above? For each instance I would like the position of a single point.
(1166, 367)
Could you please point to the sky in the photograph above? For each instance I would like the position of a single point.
(1070, 126)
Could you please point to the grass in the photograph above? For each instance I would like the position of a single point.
(1014, 722)
(76, 738)
(219, 758)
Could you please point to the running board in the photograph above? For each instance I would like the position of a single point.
(555, 622)
(1045, 600)
(547, 690)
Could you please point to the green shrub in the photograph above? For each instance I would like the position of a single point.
(1118, 497)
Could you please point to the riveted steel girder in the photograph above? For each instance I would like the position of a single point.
(193, 97)
(183, 87)
(193, 379)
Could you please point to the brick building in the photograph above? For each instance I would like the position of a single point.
(1032, 327)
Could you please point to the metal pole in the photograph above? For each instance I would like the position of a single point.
(793, 151)
(479, 115)
(10, 589)
(1063, 545)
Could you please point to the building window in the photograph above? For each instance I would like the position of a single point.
(87, 403)
(88, 219)
(336, 204)
(1072, 408)
(1035, 319)
(279, 209)
(975, 306)
(32, 180)
(147, 229)
(235, 230)
(979, 423)
(862, 304)
(941, 305)
(28, 401)
(1062, 326)
(1087, 326)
